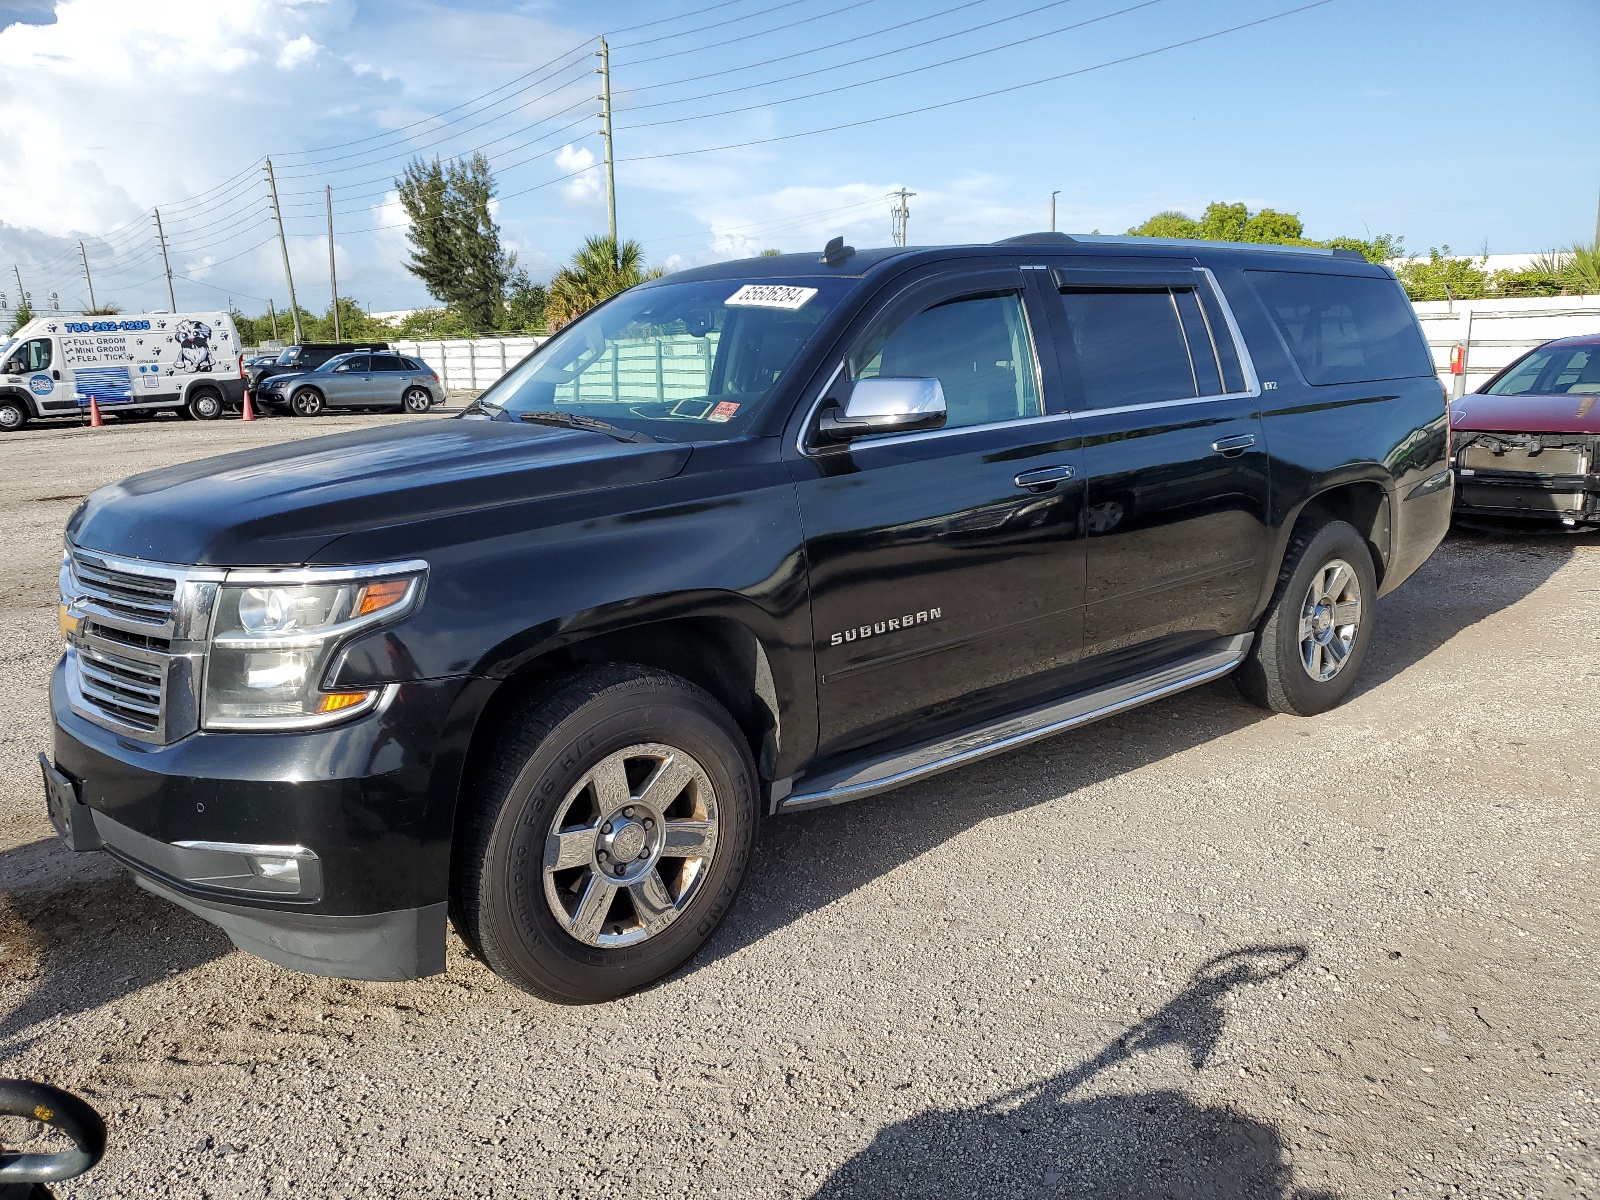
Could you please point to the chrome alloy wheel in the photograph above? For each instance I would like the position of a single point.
(630, 845)
(1330, 619)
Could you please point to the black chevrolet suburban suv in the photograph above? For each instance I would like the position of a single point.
(745, 540)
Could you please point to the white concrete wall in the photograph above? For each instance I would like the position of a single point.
(470, 363)
(1498, 331)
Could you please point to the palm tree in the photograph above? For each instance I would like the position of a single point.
(1582, 274)
(598, 271)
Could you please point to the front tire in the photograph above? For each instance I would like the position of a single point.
(307, 402)
(610, 829)
(205, 405)
(1312, 641)
(13, 416)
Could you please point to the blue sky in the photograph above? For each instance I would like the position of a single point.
(1444, 122)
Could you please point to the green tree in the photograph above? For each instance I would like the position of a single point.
(1169, 224)
(1222, 222)
(599, 270)
(1442, 277)
(456, 242)
(20, 317)
(525, 303)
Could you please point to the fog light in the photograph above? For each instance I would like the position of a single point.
(279, 870)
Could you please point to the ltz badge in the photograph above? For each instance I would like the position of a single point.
(879, 628)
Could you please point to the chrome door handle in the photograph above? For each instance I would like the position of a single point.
(1232, 447)
(1044, 478)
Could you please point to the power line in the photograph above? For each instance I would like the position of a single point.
(943, 37)
(847, 87)
(1016, 87)
(639, 62)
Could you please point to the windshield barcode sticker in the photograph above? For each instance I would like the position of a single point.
(770, 295)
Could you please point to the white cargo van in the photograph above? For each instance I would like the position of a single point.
(131, 365)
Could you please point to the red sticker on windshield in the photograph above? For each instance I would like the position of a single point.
(723, 411)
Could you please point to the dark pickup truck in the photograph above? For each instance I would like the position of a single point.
(744, 540)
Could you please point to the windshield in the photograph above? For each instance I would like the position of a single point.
(6, 349)
(1556, 370)
(679, 361)
(335, 363)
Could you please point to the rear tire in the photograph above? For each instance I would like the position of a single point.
(606, 771)
(307, 402)
(13, 416)
(205, 405)
(416, 400)
(1311, 643)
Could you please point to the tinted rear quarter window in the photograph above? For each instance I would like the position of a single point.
(1344, 328)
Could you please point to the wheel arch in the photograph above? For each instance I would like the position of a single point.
(30, 404)
(1361, 502)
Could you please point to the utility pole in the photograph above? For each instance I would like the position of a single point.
(901, 214)
(84, 254)
(604, 54)
(1053, 196)
(172, 299)
(333, 271)
(283, 244)
(1597, 224)
(273, 314)
(22, 296)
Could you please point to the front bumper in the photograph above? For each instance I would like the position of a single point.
(1572, 500)
(214, 821)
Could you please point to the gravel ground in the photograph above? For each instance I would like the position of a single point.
(1192, 951)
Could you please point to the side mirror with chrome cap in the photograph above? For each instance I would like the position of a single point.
(881, 406)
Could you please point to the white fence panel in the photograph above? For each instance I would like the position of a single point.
(470, 363)
(1495, 332)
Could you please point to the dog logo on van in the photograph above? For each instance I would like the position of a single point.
(194, 347)
(41, 385)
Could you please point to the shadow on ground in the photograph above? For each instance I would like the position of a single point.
(81, 933)
(1047, 1140)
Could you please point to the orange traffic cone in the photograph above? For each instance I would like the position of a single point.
(249, 414)
(94, 414)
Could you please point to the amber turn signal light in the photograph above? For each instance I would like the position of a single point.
(336, 701)
(376, 597)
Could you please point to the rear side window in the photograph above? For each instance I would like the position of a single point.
(389, 362)
(1129, 347)
(1344, 328)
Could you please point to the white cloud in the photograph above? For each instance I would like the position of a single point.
(584, 189)
(297, 52)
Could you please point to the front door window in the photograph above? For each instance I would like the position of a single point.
(977, 347)
(35, 354)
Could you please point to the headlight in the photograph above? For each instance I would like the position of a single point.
(276, 635)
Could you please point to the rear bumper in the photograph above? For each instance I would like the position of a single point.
(325, 851)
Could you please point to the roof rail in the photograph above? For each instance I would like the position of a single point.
(1191, 244)
(1037, 239)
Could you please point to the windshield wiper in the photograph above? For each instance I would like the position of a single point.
(578, 421)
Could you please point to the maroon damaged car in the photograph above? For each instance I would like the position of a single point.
(1527, 446)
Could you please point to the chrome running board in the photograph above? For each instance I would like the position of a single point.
(1057, 716)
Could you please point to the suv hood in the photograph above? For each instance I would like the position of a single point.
(1562, 413)
(279, 505)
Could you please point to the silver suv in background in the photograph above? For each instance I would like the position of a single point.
(384, 380)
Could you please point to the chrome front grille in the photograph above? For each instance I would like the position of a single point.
(147, 598)
(135, 658)
(124, 689)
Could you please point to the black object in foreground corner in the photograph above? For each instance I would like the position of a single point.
(24, 1176)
